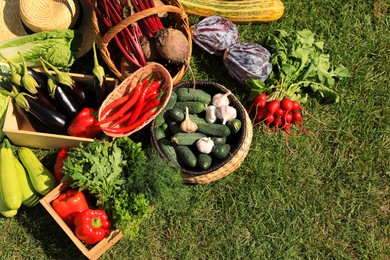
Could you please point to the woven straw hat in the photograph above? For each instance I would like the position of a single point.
(24, 17)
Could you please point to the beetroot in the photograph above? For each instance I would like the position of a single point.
(247, 61)
(214, 34)
(173, 45)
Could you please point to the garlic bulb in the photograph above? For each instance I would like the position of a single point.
(221, 99)
(188, 126)
(226, 113)
(205, 145)
(211, 114)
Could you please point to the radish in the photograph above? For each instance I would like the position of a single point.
(297, 119)
(279, 112)
(273, 106)
(296, 106)
(260, 100)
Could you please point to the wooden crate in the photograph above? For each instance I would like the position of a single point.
(92, 253)
(20, 132)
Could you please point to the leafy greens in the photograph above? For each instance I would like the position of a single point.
(58, 47)
(300, 66)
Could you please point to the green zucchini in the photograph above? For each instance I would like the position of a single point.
(186, 138)
(214, 129)
(234, 125)
(204, 161)
(191, 94)
(194, 107)
(220, 151)
(186, 155)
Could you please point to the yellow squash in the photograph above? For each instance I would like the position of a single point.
(240, 11)
(41, 178)
(9, 183)
(29, 196)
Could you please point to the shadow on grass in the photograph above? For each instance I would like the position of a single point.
(43, 228)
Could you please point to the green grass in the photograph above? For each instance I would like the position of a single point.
(327, 200)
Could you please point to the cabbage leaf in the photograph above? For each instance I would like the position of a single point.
(58, 47)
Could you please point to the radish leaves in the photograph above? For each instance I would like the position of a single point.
(300, 67)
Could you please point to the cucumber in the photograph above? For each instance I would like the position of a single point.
(214, 129)
(176, 114)
(169, 151)
(194, 107)
(159, 133)
(220, 151)
(234, 125)
(186, 155)
(160, 118)
(173, 126)
(172, 101)
(191, 94)
(186, 138)
(204, 161)
(198, 120)
(218, 140)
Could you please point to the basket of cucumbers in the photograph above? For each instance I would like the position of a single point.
(203, 130)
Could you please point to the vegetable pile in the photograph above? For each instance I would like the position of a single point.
(197, 130)
(23, 179)
(300, 68)
(134, 108)
(152, 38)
(53, 102)
(116, 174)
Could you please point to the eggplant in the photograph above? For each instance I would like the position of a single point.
(40, 77)
(52, 119)
(77, 91)
(35, 123)
(66, 103)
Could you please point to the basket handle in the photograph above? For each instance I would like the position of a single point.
(138, 16)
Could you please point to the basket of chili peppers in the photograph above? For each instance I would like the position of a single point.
(133, 33)
(136, 101)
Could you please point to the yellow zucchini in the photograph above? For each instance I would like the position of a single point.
(41, 178)
(9, 183)
(4, 210)
(244, 11)
(29, 196)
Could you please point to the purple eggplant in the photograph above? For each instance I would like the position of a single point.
(52, 119)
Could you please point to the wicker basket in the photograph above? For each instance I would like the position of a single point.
(240, 142)
(177, 18)
(128, 84)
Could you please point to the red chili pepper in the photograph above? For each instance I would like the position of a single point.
(151, 103)
(123, 99)
(69, 204)
(57, 170)
(129, 104)
(92, 225)
(132, 126)
(141, 100)
(84, 124)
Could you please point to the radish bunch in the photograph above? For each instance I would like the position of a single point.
(277, 114)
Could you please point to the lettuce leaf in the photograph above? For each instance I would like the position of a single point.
(58, 47)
